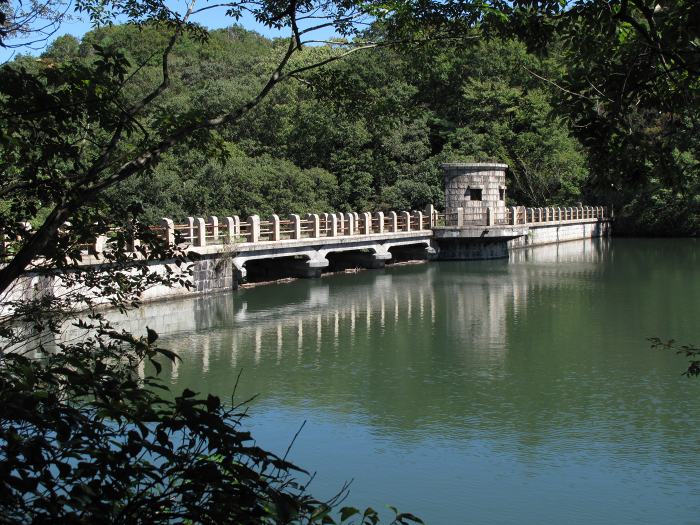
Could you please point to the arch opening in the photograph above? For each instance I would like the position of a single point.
(408, 252)
(352, 260)
(276, 268)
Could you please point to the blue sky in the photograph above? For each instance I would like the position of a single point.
(213, 19)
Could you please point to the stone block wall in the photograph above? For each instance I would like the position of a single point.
(472, 250)
(459, 178)
(212, 274)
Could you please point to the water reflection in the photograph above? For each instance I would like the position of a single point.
(359, 305)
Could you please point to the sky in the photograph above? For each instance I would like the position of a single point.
(212, 19)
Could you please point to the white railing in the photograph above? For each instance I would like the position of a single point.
(230, 230)
(519, 215)
(212, 231)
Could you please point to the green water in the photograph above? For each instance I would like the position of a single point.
(519, 391)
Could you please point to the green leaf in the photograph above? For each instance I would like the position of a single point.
(348, 512)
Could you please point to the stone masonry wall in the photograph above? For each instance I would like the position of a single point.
(460, 177)
(210, 274)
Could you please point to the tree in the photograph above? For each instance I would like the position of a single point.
(629, 88)
(632, 94)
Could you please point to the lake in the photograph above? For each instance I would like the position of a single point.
(508, 391)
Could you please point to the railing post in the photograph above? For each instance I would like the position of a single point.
(168, 232)
(539, 214)
(513, 215)
(334, 225)
(214, 221)
(406, 216)
(380, 221)
(341, 224)
(132, 244)
(368, 223)
(350, 219)
(460, 217)
(419, 217)
(254, 225)
(430, 212)
(274, 227)
(100, 242)
(489, 216)
(233, 226)
(393, 221)
(296, 225)
(315, 224)
(201, 232)
(190, 230)
(356, 218)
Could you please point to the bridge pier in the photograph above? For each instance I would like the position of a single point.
(312, 267)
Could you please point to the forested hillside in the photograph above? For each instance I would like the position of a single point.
(369, 132)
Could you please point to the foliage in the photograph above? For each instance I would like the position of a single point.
(381, 123)
(631, 91)
(240, 185)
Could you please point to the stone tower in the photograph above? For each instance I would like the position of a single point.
(475, 187)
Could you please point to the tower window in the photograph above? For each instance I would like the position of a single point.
(474, 194)
(502, 194)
